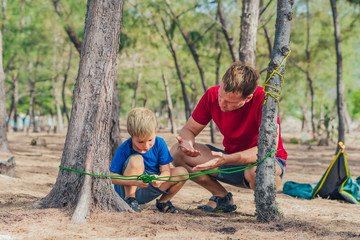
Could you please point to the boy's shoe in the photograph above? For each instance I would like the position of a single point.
(166, 207)
(133, 203)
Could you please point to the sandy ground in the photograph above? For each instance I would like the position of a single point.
(37, 169)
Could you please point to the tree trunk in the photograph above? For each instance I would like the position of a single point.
(87, 146)
(265, 192)
(308, 75)
(339, 81)
(191, 45)
(249, 24)
(213, 127)
(64, 85)
(170, 105)
(227, 33)
(14, 101)
(266, 33)
(170, 45)
(136, 87)
(115, 138)
(3, 131)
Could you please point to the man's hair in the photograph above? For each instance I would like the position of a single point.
(241, 78)
(141, 122)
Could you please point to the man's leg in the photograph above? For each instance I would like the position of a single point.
(212, 185)
(250, 176)
(173, 187)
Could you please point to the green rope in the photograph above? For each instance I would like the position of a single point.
(149, 178)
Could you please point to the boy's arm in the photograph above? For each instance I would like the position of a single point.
(138, 183)
(164, 172)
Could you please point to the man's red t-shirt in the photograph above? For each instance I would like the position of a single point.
(240, 127)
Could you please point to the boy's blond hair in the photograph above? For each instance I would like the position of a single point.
(141, 122)
(241, 78)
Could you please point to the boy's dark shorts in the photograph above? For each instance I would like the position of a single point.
(142, 195)
(237, 178)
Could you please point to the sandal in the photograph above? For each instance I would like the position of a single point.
(133, 203)
(222, 204)
(166, 207)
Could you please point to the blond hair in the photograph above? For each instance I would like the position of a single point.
(241, 78)
(141, 122)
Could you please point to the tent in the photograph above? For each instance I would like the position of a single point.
(336, 183)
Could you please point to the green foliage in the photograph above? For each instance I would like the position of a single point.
(29, 41)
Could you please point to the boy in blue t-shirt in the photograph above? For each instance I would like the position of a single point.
(145, 153)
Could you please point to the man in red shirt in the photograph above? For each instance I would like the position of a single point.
(235, 106)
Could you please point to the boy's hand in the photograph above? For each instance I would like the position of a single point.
(188, 149)
(156, 183)
(141, 184)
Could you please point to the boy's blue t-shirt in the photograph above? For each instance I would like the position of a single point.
(157, 155)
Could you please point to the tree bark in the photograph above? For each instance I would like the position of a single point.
(3, 130)
(87, 146)
(339, 81)
(64, 85)
(170, 105)
(265, 192)
(249, 24)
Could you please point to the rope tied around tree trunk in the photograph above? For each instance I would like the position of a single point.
(274, 95)
(149, 178)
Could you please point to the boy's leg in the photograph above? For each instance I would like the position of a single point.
(135, 166)
(173, 187)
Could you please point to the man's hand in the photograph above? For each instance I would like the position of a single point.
(211, 164)
(186, 148)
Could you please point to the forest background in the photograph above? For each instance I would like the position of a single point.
(41, 41)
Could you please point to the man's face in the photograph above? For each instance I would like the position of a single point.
(229, 101)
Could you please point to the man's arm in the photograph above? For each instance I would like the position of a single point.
(246, 157)
(187, 136)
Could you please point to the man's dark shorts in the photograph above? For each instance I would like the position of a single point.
(237, 178)
(142, 195)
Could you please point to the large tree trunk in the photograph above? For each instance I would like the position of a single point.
(249, 24)
(265, 191)
(339, 81)
(87, 146)
(3, 138)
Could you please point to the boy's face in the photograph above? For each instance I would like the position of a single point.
(143, 144)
